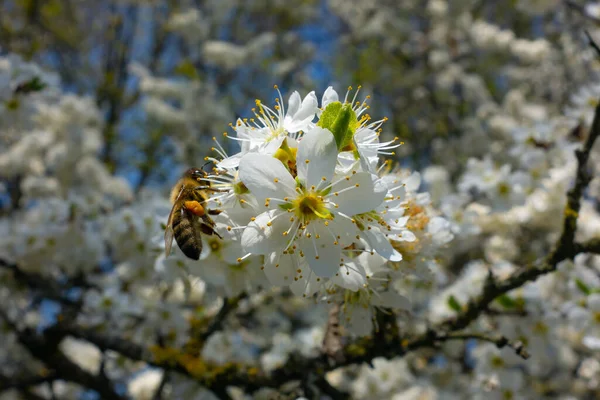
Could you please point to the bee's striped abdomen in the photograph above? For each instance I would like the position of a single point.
(187, 234)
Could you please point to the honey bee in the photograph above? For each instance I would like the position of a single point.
(188, 218)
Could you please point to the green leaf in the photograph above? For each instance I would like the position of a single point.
(329, 115)
(340, 119)
(454, 304)
(35, 84)
(583, 287)
(506, 301)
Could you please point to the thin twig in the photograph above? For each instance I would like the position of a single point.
(499, 340)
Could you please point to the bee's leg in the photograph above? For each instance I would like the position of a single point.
(210, 189)
(209, 229)
(214, 212)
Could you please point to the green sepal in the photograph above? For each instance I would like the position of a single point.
(286, 206)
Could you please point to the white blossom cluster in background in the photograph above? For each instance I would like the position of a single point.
(323, 209)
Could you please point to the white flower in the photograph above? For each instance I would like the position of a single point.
(382, 379)
(82, 353)
(266, 132)
(310, 217)
(144, 385)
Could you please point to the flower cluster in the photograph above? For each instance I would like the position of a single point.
(309, 201)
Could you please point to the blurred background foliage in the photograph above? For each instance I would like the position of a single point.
(230, 52)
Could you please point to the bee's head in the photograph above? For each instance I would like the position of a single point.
(195, 173)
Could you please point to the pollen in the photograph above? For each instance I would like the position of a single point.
(310, 206)
(275, 180)
(306, 161)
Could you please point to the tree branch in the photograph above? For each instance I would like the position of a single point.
(25, 381)
(591, 246)
(499, 340)
(45, 348)
(216, 324)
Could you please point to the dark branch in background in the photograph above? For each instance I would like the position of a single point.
(581, 10)
(163, 382)
(47, 287)
(591, 246)
(499, 340)
(45, 349)
(216, 324)
(25, 381)
(110, 94)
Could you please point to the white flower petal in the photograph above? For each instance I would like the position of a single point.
(272, 145)
(266, 177)
(593, 302)
(413, 182)
(330, 96)
(391, 299)
(318, 147)
(259, 238)
(439, 229)
(231, 162)
(308, 108)
(379, 242)
(351, 276)
(357, 200)
(279, 269)
(306, 285)
(293, 103)
(322, 255)
(299, 116)
(345, 229)
(591, 342)
(372, 263)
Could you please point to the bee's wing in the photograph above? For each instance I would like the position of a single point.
(169, 230)
(169, 233)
